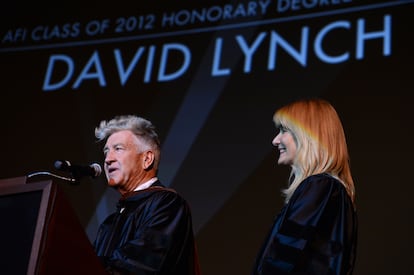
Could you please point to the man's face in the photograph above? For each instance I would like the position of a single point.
(123, 161)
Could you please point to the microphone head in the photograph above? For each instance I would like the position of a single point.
(62, 165)
(97, 169)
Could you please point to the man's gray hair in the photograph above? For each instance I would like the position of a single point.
(141, 127)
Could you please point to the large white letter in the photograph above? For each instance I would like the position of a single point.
(216, 59)
(162, 75)
(150, 63)
(47, 86)
(299, 56)
(122, 72)
(248, 52)
(319, 40)
(85, 74)
(362, 36)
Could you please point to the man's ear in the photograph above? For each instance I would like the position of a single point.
(148, 159)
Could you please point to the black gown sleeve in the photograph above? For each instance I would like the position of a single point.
(156, 239)
(313, 231)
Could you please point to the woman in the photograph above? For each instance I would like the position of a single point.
(316, 230)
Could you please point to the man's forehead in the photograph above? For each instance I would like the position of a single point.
(120, 137)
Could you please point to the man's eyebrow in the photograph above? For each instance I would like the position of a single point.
(106, 147)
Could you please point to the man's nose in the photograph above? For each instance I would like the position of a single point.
(109, 157)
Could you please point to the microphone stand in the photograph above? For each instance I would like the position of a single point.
(72, 181)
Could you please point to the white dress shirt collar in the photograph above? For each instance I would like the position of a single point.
(146, 184)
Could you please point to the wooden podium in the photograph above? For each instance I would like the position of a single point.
(40, 233)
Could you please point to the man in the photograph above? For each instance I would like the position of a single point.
(151, 231)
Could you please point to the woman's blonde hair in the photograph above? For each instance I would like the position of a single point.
(320, 140)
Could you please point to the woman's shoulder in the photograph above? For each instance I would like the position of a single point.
(319, 186)
(321, 180)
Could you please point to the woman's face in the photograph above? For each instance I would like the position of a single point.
(286, 145)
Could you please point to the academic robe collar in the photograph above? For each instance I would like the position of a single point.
(155, 186)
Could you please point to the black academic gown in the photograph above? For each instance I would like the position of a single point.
(150, 233)
(314, 234)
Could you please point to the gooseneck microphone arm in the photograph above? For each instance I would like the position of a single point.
(76, 171)
(71, 180)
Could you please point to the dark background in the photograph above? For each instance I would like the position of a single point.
(217, 131)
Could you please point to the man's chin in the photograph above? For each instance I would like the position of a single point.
(112, 182)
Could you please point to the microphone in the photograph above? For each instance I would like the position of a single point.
(79, 171)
